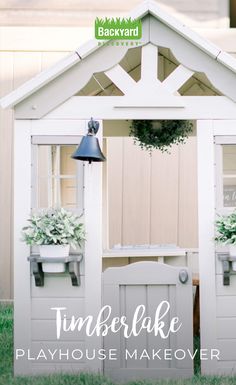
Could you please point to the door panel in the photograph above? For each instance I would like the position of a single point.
(148, 284)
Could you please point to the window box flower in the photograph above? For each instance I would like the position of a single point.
(54, 231)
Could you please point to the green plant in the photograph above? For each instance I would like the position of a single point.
(226, 229)
(54, 227)
(117, 22)
(161, 135)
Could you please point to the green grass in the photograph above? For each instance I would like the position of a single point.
(6, 366)
(6, 341)
(117, 22)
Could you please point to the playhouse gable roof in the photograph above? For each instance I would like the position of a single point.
(91, 48)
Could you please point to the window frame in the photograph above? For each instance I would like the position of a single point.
(59, 140)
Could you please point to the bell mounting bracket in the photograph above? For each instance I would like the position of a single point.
(93, 126)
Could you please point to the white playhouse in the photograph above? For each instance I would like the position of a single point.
(52, 112)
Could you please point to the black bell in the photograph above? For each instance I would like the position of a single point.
(89, 148)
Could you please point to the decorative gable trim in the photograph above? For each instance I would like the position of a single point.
(46, 91)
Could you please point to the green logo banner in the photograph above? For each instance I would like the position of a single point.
(118, 29)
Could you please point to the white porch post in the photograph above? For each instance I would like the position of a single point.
(22, 199)
(206, 217)
(93, 250)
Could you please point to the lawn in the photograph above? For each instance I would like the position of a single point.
(6, 366)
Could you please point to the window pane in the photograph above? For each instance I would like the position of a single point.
(232, 13)
(44, 188)
(58, 179)
(68, 193)
(44, 161)
(68, 165)
(229, 175)
(229, 159)
(230, 195)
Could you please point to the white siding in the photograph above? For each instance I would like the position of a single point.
(57, 292)
(226, 320)
(153, 199)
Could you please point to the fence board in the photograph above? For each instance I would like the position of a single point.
(136, 195)
(187, 214)
(6, 134)
(164, 197)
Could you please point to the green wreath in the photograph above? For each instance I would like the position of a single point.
(160, 134)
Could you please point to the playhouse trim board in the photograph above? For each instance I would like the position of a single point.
(22, 203)
(206, 218)
(111, 107)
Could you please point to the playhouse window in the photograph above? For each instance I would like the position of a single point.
(229, 175)
(57, 179)
(232, 13)
(225, 174)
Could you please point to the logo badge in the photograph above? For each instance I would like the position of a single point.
(118, 29)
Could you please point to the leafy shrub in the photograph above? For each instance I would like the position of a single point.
(54, 227)
(226, 229)
(161, 135)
